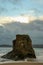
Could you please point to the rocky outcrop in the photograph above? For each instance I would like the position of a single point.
(22, 48)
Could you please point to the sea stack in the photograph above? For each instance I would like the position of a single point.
(22, 48)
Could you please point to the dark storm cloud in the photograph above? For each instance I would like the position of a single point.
(34, 29)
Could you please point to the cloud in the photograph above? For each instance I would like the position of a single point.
(41, 17)
(11, 28)
(34, 29)
(34, 12)
(21, 19)
(6, 19)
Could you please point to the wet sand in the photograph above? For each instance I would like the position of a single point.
(23, 63)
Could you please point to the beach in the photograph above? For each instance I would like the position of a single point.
(23, 63)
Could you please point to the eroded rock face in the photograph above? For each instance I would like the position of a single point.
(22, 48)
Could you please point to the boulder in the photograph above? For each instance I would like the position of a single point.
(22, 48)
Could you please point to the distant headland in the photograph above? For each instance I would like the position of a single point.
(34, 45)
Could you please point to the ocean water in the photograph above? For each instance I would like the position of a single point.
(38, 52)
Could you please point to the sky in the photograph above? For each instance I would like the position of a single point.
(21, 7)
(22, 11)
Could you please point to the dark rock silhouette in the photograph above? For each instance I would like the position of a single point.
(22, 48)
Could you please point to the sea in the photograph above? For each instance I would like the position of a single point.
(5, 50)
